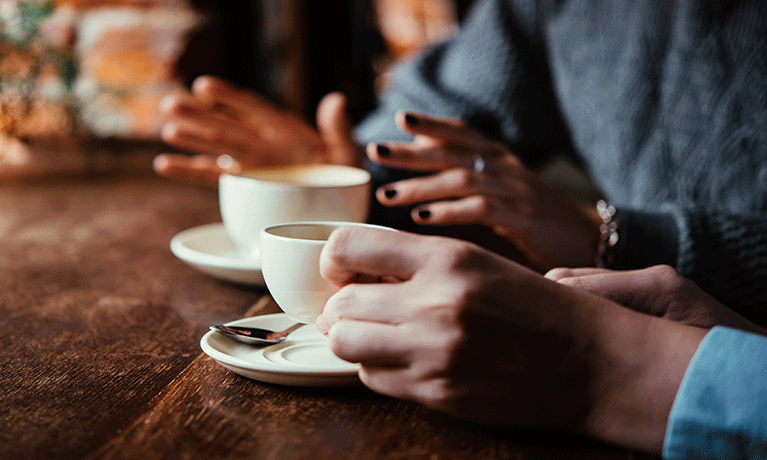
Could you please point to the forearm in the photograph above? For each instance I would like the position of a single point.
(637, 366)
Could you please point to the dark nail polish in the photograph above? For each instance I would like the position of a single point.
(383, 151)
(424, 213)
(410, 119)
(390, 192)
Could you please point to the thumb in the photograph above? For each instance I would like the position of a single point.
(357, 250)
(336, 130)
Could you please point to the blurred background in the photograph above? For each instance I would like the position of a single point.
(80, 80)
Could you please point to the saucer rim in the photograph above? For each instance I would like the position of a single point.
(271, 372)
(182, 251)
(241, 270)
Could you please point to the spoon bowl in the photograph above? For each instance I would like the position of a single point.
(254, 335)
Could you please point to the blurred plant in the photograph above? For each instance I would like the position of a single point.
(37, 68)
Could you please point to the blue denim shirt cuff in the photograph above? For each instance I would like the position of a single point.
(720, 410)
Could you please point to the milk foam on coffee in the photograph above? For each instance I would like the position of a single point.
(309, 175)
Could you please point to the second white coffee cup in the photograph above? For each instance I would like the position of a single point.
(290, 262)
(258, 198)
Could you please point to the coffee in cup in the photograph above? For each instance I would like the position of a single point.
(258, 198)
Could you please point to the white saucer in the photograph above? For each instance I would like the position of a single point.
(303, 359)
(209, 249)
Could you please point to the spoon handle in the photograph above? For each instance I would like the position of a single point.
(280, 334)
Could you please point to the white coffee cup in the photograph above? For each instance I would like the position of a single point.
(290, 262)
(258, 198)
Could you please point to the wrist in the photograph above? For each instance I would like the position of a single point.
(637, 365)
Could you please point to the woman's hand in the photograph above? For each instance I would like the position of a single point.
(464, 331)
(480, 181)
(230, 129)
(659, 291)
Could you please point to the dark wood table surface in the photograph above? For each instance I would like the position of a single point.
(100, 358)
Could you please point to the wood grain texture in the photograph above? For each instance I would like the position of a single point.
(210, 412)
(100, 359)
(96, 315)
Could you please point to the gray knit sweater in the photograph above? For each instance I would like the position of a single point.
(663, 102)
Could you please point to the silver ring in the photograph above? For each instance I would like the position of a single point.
(479, 163)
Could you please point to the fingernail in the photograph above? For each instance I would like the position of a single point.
(424, 213)
(321, 326)
(390, 193)
(167, 103)
(383, 151)
(411, 119)
(169, 131)
(160, 162)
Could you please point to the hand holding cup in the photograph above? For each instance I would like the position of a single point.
(290, 263)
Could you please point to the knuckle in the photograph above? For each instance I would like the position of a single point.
(343, 342)
(339, 303)
(667, 277)
(172, 107)
(666, 271)
(218, 136)
(337, 344)
(452, 345)
(524, 189)
(511, 160)
(459, 255)
(483, 205)
(678, 289)
(465, 298)
(170, 132)
(336, 257)
(385, 382)
(497, 147)
(576, 282)
(368, 378)
(435, 393)
(463, 178)
(338, 245)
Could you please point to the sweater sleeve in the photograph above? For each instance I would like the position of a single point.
(720, 410)
(724, 253)
(492, 74)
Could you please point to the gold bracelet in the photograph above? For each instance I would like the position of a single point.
(608, 235)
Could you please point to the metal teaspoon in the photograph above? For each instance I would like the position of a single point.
(254, 335)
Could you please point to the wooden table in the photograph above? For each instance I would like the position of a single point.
(99, 347)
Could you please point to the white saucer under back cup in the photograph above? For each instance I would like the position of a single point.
(209, 249)
(259, 198)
